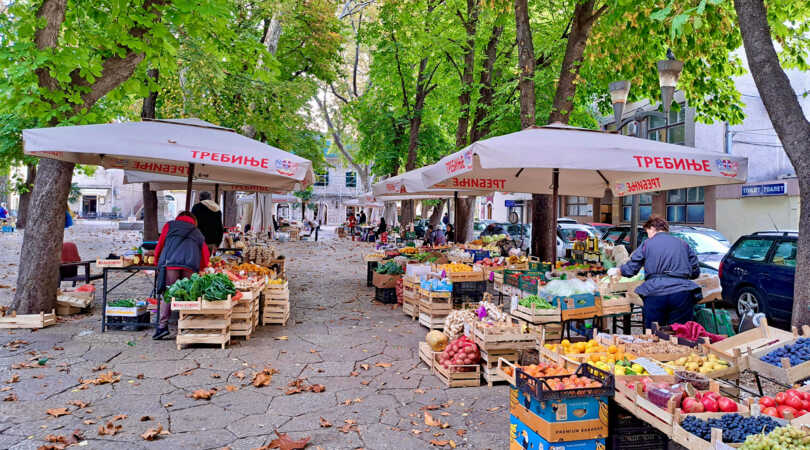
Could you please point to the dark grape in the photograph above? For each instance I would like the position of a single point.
(735, 427)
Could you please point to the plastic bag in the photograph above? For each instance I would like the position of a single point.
(567, 288)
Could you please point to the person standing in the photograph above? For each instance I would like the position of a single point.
(3, 211)
(181, 250)
(451, 233)
(352, 221)
(209, 221)
(670, 265)
(363, 219)
(446, 220)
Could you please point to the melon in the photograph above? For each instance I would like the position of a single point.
(436, 340)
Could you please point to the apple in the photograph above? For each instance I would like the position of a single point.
(794, 402)
(712, 395)
(804, 395)
(806, 405)
(781, 398)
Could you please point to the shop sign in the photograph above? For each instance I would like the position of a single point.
(764, 190)
(509, 203)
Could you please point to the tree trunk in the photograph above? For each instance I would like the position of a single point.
(584, 18)
(150, 204)
(526, 63)
(25, 198)
(229, 215)
(544, 219)
(481, 125)
(150, 219)
(41, 252)
(407, 212)
(791, 126)
(465, 211)
(436, 214)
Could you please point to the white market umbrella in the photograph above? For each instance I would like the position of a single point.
(411, 186)
(189, 148)
(160, 182)
(588, 162)
(363, 203)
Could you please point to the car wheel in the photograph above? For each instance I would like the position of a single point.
(748, 299)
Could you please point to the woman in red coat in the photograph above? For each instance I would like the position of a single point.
(180, 251)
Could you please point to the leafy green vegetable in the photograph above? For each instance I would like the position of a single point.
(122, 303)
(214, 287)
(538, 302)
(389, 268)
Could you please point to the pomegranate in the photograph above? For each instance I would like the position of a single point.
(726, 404)
(709, 404)
(691, 405)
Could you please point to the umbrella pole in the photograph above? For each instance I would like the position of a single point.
(188, 185)
(555, 195)
(455, 215)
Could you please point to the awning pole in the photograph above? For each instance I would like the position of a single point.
(555, 188)
(188, 185)
(455, 215)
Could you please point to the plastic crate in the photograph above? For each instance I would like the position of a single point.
(537, 266)
(370, 273)
(643, 438)
(528, 283)
(540, 389)
(472, 290)
(135, 323)
(388, 296)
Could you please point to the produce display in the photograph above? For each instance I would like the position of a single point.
(792, 401)
(512, 259)
(736, 428)
(436, 340)
(251, 268)
(462, 351)
(491, 312)
(620, 367)
(797, 353)
(260, 255)
(538, 302)
(122, 303)
(492, 262)
(540, 370)
(454, 322)
(389, 268)
(659, 347)
(708, 402)
(567, 288)
(781, 438)
(455, 268)
(277, 281)
(700, 364)
(458, 254)
(493, 238)
(408, 251)
(211, 286)
(572, 382)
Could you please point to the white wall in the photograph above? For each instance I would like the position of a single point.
(738, 217)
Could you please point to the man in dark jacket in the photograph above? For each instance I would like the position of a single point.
(209, 221)
(670, 265)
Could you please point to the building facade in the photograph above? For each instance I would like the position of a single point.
(333, 186)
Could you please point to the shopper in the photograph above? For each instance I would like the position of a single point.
(209, 221)
(670, 265)
(362, 220)
(446, 220)
(180, 251)
(3, 211)
(451, 233)
(352, 221)
(436, 236)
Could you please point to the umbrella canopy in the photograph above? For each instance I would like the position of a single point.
(363, 203)
(411, 186)
(588, 161)
(160, 182)
(179, 147)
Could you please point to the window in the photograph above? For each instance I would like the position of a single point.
(674, 133)
(753, 249)
(685, 205)
(322, 178)
(351, 179)
(644, 209)
(785, 254)
(579, 206)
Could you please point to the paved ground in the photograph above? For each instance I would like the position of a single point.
(364, 354)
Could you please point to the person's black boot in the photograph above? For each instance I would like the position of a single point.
(160, 333)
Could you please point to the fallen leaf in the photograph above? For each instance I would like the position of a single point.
(99, 368)
(264, 377)
(416, 432)
(452, 443)
(418, 391)
(325, 423)
(313, 350)
(383, 365)
(317, 388)
(78, 403)
(439, 443)
(349, 426)
(240, 375)
(431, 407)
(145, 418)
(57, 348)
(56, 412)
(5, 388)
(215, 375)
(365, 382)
(281, 338)
(11, 398)
(461, 433)
(494, 409)
(139, 376)
(283, 442)
(89, 422)
(109, 429)
(202, 394)
(231, 388)
(119, 417)
(152, 433)
(14, 378)
(364, 366)
(354, 374)
(443, 413)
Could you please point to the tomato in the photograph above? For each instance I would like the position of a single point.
(781, 398)
(785, 409)
(792, 392)
(794, 402)
(770, 411)
(806, 405)
(800, 413)
(767, 402)
(804, 395)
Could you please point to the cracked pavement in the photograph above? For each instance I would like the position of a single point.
(336, 336)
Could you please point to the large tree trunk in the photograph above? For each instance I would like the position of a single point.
(465, 211)
(407, 212)
(544, 220)
(481, 125)
(41, 252)
(526, 63)
(230, 209)
(150, 204)
(25, 198)
(791, 126)
(436, 214)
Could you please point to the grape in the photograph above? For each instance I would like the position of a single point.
(785, 437)
(735, 427)
(797, 353)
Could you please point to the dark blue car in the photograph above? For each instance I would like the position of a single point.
(757, 274)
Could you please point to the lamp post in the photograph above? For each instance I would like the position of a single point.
(669, 71)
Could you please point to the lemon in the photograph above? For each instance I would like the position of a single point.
(619, 370)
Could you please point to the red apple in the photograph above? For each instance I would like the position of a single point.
(806, 405)
(792, 392)
(767, 402)
(712, 395)
(726, 405)
(804, 395)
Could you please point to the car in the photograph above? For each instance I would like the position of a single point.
(479, 226)
(568, 231)
(621, 235)
(419, 228)
(715, 234)
(600, 227)
(565, 220)
(710, 251)
(757, 274)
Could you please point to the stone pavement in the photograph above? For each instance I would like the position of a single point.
(363, 353)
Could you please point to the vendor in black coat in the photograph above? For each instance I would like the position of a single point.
(209, 221)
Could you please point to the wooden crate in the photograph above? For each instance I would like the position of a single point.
(276, 312)
(410, 307)
(489, 365)
(276, 289)
(752, 340)
(501, 337)
(122, 261)
(614, 286)
(41, 320)
(497, 278)
(682, 437)
(536, 316)
(459, 277)
(204, 327)
(67, 310)
(616, 305)
(453, 377)
(786, 374)
(75, 299)
(427, 355)
(431, 321)
(435, 302)
(710, 287)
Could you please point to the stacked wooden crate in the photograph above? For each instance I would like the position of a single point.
(410, 297)
(245, 313)
(499, 340)
(204, 322)
(276, 304)
(434, 307)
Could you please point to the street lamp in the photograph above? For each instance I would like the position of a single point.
(669, 71)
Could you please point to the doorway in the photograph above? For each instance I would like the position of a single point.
(489, 211)
(89, 203)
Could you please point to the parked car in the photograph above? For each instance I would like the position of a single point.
(565, 220)
(479, 226)
(600, 227)
(568, 231)
(757, 274)
(419, 228)
(709, 250)
(621, 235)
(715, 234)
